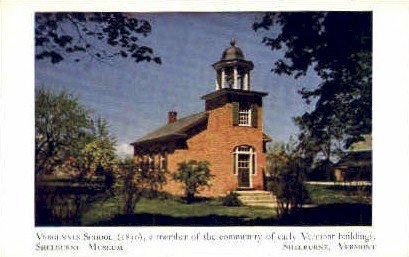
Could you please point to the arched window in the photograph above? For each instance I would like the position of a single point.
(244, 159)
(244, 163)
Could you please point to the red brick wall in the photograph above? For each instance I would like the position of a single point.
(216, 145)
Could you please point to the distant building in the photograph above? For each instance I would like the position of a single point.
(228, 133)
(357, 164)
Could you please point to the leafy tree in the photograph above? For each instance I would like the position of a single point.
(68, 139)
(338, 46)
(61, 125)
(287, 172)
(101, 36)
(138, 179)
(99, 155)
(195, 176)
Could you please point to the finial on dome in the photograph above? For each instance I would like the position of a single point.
(233, 42)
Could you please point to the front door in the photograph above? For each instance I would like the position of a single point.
(243, 170)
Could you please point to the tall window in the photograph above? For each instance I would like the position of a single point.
(151, 161)
(163, 162)
(244, 160)
(244, 115)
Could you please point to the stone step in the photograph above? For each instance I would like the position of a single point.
(268, 205)
(252, 192)
(257, 198)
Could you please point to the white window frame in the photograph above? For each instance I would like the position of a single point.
(244, 111)
(151, 162)
(252, 154)
(162, 160)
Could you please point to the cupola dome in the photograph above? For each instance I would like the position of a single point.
(233, 52)
(233, 71)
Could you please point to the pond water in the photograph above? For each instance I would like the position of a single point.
(63, 203)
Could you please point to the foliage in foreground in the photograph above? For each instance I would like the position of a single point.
(68, 139)
(195, 176)
(102, 36)
(139, 179)
(287, 171)
(231, 199)
(340, 53)
(324, 196)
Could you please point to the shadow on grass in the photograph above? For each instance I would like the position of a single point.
(324, 215)
(340, 214)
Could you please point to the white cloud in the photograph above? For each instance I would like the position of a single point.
(124, 149)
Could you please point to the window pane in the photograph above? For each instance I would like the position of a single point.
(244, 114)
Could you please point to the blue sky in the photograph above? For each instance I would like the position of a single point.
(135, 98)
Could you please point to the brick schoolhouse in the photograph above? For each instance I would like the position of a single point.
(228, 133)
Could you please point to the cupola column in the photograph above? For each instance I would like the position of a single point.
(233, 71)
(246, 81)
(223, 79)
(235, 86)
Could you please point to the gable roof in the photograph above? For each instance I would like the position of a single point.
(266, 138)
(173, 130)
(359, 154)
(363, 145)
(356, 159)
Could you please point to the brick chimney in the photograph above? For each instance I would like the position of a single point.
(172, 117)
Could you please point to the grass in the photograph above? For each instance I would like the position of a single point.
(322, 194)
(173, 210)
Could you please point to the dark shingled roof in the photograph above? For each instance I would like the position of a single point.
(173, 130)
(356, 159)
(266, 137)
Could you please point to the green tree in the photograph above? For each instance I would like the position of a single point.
(194, 175)
(99, 155)
(338, 46)
(102, 36)
(61, 126)
(68, 138)
(287, 172)
(137, 180)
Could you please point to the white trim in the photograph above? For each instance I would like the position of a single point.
(236, 164)
(151, 161)
(162, 160)
(246, 81)
(250, 151)
(249, 117)
(235, 86)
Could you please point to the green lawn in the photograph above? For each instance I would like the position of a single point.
(322, 194)
(175, 209)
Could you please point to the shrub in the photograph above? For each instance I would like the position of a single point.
(231, 200)
(139, 181)
(195, 176)
(287, 172)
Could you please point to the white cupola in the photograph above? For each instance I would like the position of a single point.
(233, 71)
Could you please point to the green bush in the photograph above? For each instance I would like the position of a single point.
(138, 181)
(286, 181)
(231, 200)
(195, 176)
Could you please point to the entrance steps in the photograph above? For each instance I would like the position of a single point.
(257, 198)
